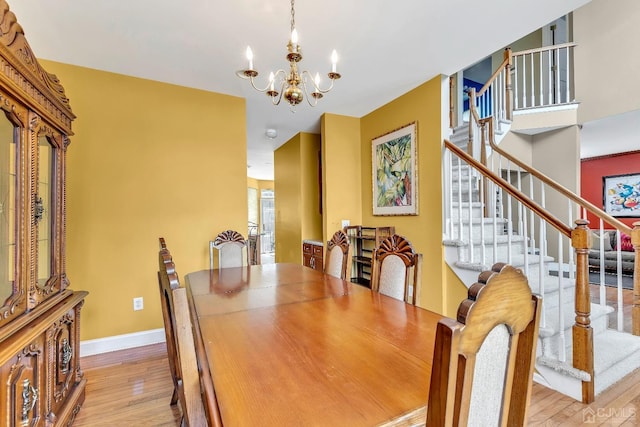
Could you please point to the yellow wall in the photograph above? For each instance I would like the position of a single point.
(296, 196)
(310, 187)
(454, 294)
(141, 166)
(286, 172)
(341, 172)
(423, 105)
(260, 184)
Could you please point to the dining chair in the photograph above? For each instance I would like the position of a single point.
(485, 359)
(231, 248)
(338, 257)
(193, 412)
(167, 282)
(396, 269)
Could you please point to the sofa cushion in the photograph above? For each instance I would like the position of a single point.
(624, 256)
(625, 243)
(606, 238)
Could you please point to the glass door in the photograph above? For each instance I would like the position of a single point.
(8, 185)
(267, 214)
(44, 213)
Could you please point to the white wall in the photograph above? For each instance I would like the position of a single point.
(606, 59)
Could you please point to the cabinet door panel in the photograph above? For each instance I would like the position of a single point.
(22, 379)
(62, 350)
(306, 260)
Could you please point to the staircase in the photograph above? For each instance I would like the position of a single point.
(491, 217)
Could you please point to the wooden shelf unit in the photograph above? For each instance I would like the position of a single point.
(363, 241)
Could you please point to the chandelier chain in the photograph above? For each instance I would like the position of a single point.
(293, 16)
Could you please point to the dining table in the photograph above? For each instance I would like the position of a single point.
(287, 345)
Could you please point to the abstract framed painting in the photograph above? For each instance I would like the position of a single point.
(621, 195)
(395, 172)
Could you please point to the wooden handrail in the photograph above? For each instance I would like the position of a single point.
(513, 191)
(494, 76)
(594, 210)
(545, 48)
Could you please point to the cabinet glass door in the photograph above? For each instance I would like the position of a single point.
(44, 208)
(8, 176)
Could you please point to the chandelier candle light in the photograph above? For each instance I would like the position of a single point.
(289, 82)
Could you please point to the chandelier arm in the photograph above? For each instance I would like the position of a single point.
(279, 96)
(306, 92)
(251, 79)
(307, 74)
(268, 86)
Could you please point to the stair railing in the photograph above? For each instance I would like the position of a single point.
(526, 220)
(583, 208)
(543, 77)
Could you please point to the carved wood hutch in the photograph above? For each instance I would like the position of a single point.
(41, 383)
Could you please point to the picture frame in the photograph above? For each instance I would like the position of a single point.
(621, 195)
(394, 158)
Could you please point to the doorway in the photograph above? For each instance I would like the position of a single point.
(268, 225)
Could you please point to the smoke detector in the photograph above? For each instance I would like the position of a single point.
(271, 133)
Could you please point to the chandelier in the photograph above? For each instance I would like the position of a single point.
(293, 84)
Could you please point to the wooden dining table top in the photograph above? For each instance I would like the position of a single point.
(290, 346)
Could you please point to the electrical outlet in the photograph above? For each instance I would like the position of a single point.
(138, 303)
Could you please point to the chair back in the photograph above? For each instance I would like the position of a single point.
(180, 354)
(396, 269)
(193, 412)
(338, 257)
(486, 358)
(231, 247)
(167, 282)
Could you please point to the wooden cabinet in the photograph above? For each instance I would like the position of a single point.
(41, 383)
(312, 252)
(363, 241)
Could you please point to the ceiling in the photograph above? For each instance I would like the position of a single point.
(385, 48)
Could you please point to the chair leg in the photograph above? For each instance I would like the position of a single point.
(174, 397)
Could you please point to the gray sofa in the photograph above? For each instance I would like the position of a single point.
(610, 254)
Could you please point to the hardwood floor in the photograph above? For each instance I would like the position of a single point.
(133, 388)
(128, 388)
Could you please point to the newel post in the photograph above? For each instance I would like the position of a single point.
(472, 99)
(507, 82)
(582, 331)
(635, 311)
(452, 99)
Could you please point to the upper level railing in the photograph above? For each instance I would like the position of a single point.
(543, 77)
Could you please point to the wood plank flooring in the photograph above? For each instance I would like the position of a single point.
(133, 388)
(128, 388)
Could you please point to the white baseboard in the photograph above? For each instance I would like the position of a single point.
(121, 342)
